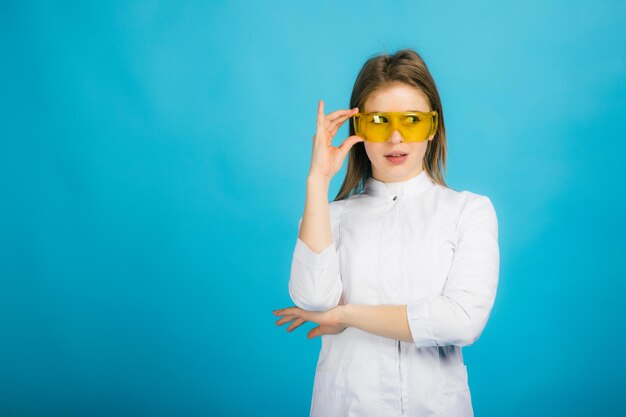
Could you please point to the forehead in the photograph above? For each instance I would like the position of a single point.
(396, 97)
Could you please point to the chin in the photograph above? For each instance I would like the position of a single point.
(397, 173)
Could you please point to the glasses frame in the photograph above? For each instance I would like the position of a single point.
(394, 116)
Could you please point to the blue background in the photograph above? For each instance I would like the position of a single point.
(152, 169)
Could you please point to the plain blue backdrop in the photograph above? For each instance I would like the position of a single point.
(152, 171)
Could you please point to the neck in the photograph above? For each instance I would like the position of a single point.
(388, 179)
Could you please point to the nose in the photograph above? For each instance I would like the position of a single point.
(395, 137)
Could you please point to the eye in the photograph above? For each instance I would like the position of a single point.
(378, 119)
(412, 118)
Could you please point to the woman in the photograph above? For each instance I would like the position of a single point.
(399, 271)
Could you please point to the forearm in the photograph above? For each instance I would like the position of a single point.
(315, 283)
(315, 229)
(383, 320)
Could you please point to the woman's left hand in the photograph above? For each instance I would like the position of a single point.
(329, 321)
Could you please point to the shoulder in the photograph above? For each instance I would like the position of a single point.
(349, 204)
(463, 200)
(472, 210)
(357, 207)
(338, 207)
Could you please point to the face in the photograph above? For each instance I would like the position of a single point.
(386, 166)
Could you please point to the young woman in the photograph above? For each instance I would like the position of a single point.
(399, 271)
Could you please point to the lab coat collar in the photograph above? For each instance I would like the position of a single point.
(414, 185)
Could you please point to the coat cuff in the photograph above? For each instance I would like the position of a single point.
(419, 324)
(313, 260)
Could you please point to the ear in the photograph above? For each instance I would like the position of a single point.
(431, 137)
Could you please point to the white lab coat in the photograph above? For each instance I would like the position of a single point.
(415, 243)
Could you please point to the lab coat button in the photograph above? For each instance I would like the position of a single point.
(395, 197)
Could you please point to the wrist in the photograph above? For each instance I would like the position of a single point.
(343, 314)
(317, 180)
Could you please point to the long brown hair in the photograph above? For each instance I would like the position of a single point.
(405, 66)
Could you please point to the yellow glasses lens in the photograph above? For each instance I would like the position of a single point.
(378, 127)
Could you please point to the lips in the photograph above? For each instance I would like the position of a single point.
(396, 157)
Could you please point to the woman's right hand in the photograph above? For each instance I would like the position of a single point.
(327, 160)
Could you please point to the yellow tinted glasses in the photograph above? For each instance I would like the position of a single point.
(414, 126)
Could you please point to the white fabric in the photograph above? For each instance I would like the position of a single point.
(414, 243)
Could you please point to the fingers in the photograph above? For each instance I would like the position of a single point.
(284, 320)
(327, 126)
(336, 114)
(320, 113)
(314, 332)
(320, 137)
(289, 314)
(286, 311)
(296, 323)
(341, 113)
(334, 124)
(349, 143)
(335, 119)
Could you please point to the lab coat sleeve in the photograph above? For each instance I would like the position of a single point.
(458, 316)
(315, 281)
